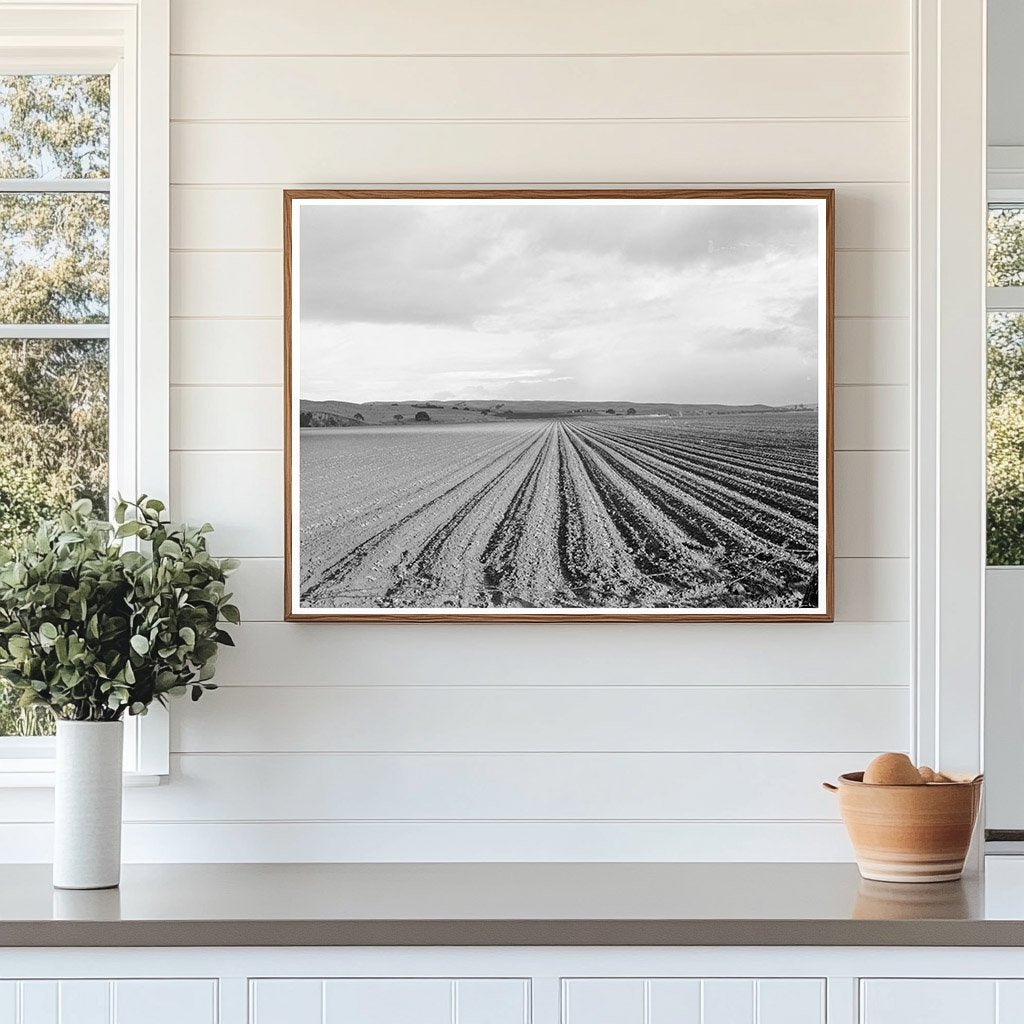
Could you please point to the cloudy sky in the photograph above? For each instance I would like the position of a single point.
(640, 301)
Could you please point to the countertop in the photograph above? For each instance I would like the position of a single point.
(512, 904)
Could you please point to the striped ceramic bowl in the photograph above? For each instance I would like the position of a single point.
(909, 833)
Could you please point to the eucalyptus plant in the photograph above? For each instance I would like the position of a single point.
(98, 619)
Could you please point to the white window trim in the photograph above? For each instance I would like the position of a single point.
(1004, 719)
(131, 40)
(949, 446)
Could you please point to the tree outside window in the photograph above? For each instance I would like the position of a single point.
(54, 307)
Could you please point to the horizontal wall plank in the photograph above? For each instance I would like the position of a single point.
(566, 151)
(258, 586)
(872, 350)
(527, 88)
(551, 718)
(241, 494)
(281, 654)
(872, 418)
(217, 352)
(872, 500)
(452, 842)
(873, 284)
(254, 787)
(250, 217)
(249, 284)
(873, 589)
(251, 418)
(867, 589)
(572, 26)
(234, 418)
(869, 350)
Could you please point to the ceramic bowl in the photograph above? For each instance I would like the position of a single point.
(909, 833)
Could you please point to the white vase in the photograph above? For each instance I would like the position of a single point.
(87, 811)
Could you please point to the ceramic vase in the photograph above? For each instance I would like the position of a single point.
(87, 810)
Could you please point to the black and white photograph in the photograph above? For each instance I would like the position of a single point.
(562, 405)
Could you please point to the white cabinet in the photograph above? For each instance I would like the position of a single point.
(693, 1001)
(388, 1001)
(102, 1001)
(942, 1001)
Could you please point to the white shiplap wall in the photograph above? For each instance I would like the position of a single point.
(595, 741)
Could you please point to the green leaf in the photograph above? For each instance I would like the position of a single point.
(48, 630)
(170, 549)
(140, 644)
(18, 646)
(231, 613)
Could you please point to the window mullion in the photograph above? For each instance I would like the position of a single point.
(1005, 300)
(54, 185)
(62, 332)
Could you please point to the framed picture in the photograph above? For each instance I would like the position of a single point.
(558, 405)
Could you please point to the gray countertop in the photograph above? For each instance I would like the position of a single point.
(508, 904)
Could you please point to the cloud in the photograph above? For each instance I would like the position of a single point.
(650, 302)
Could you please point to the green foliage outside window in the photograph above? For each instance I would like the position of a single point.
(54, 269)
(1005, 487)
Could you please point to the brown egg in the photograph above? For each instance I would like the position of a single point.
(892, 770)
(928, 774)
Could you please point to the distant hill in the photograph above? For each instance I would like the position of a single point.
(354, 414)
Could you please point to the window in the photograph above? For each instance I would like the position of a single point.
(84, 248)
(1005, 498)
(54, 309)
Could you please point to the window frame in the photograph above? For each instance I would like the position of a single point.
(1003, 713)
(129, 41)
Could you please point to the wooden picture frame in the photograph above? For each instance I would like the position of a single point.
(657, 427)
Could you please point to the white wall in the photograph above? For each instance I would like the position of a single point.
(691, 741)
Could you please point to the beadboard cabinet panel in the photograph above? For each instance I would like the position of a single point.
(931, 1001)
(389, 1001)
(693, 1001)
(101, 1001)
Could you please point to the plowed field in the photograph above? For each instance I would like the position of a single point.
(706, 512)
